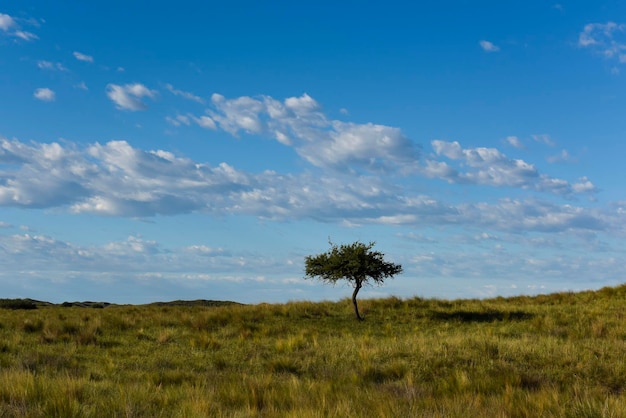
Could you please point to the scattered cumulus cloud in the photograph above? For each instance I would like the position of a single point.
(116, 179)
(184, 94)
(205, 250)
(488, 166)
(584, 186)
(6, 22)
(136, 261)
(44, 94)
(27, 36)
(132, 245)
(240, 114)
(562, 157)
(300, 123)
(205, 122)
(10, 27)
(374, 147)
(485, 236)
(605, 39)
(488, 46)
(47, 65)
(83, 57)
(178, 120)
(514, 142)
(536, 215)
(129, 96)
(348, 147)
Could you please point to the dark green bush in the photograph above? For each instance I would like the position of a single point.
(17, 304)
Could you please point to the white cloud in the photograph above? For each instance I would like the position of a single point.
(515, 142)
(535, 215)
(584, 186)
(488, 166)
(48, 174)
(47, 65)
(27, 36)
(599, 33)
(6, 22)
(128, 97)
(375, 147)
(44, 94)
(204, 250)
(304, 104)
(606, 39)
(562, 157)
(238, 114)
(178, 120)
(82, 57)
(299, 122)
(543, 139)
(9, 26)
(205, 122)
(184, 94)
(488, 46)
(132, 245)
(484, 236)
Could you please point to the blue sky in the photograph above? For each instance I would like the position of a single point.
(184, 150)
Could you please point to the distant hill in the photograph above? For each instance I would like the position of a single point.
(34, 304)
(22, 304)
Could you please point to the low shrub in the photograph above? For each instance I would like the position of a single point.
(17, 304)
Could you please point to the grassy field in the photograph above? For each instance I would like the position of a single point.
(561, 355)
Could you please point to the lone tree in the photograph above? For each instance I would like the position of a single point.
(355, 263)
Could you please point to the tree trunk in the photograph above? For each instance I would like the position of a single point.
(357, 287)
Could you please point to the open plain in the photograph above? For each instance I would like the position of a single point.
(552, 356)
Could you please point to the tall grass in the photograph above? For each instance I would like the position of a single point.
(558, 355)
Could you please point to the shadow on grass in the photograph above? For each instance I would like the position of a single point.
(488, 316)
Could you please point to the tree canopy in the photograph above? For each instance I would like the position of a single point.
(357, 263)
